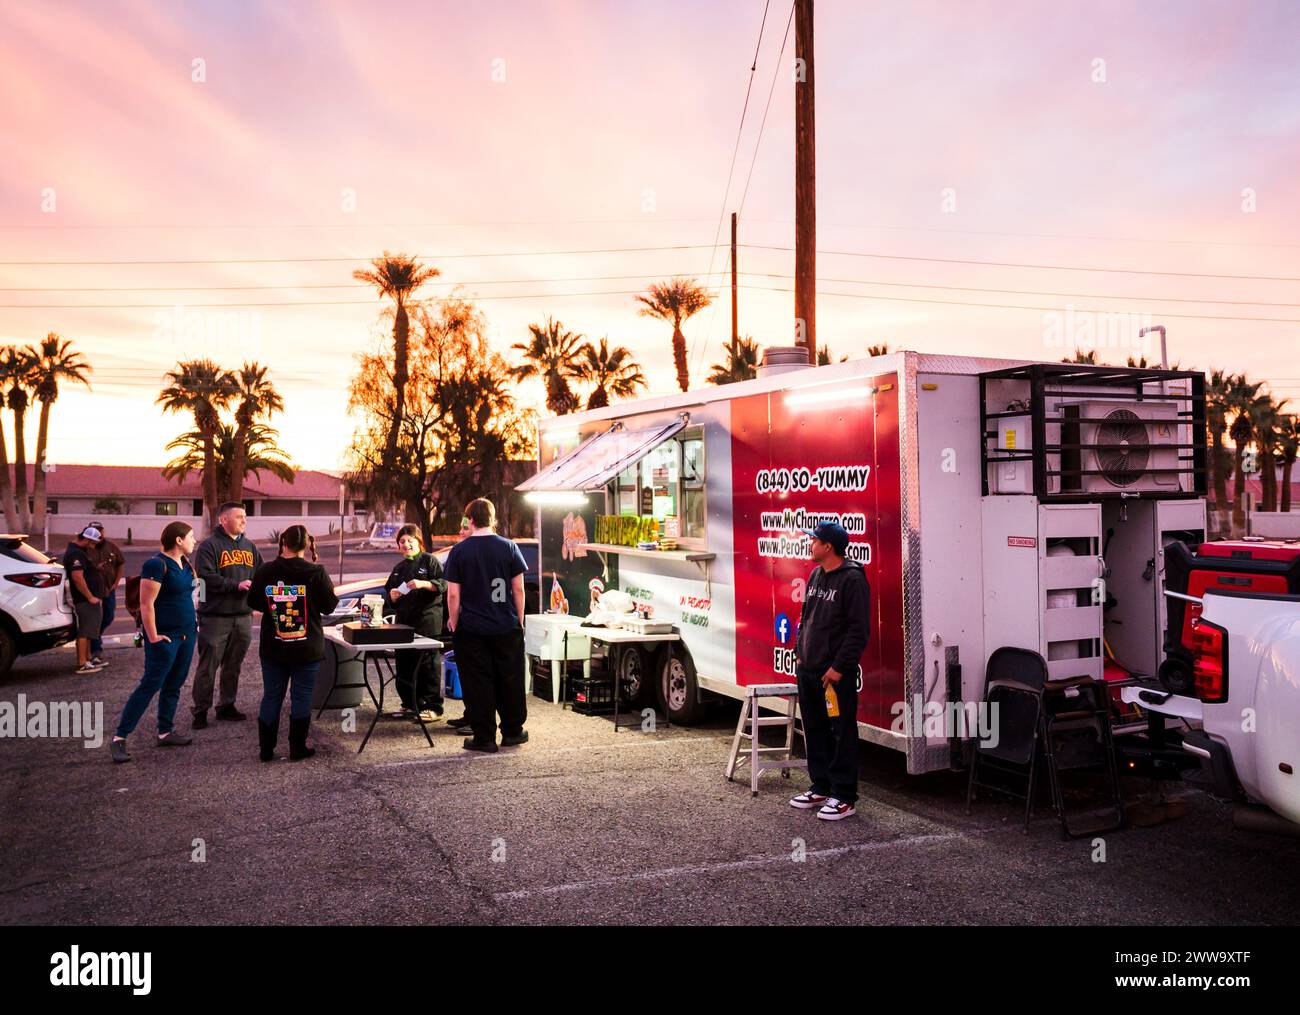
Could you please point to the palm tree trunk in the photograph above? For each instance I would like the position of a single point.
(1220, 469)
(6, 486)
(1267, 480)
(238, 459)
(401, 329)
(20, 472)
(679, 358)
(38, 487)
(1238, 492)
(210, 478)
(1286, 483)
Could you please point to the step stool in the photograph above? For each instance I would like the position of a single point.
(749, 715)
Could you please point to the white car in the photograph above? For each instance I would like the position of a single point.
(34, 610)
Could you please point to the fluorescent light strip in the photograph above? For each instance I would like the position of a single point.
(820, 398)
(556, 497)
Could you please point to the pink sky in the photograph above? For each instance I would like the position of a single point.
(613, 128)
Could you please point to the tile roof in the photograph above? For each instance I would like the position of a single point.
(147, 481)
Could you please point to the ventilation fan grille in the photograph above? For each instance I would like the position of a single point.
(1123, 447)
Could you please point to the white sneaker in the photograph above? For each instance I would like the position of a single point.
(834, 810)
(807, 801)
(88, 668)
(98, 661)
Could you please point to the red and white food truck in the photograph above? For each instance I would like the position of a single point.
(992, 503)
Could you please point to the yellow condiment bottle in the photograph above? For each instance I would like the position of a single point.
(832, 701)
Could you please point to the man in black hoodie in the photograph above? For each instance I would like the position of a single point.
(833, 631)
(224, 562)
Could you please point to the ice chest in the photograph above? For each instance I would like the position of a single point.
(544, 637)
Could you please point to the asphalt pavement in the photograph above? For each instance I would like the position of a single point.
(580, 825)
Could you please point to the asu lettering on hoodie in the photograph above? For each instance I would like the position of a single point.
(222, 563)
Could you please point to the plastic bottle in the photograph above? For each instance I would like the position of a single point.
(832, 701)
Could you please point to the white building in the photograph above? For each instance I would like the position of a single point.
(137, 501)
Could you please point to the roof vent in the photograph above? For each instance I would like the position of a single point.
(781, 359)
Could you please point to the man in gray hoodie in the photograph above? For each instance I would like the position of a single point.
(833, 631)
(224, 562)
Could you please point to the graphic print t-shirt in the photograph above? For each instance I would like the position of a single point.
(291, 594)
(287, 607)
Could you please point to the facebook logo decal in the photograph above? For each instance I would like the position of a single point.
(783, 631)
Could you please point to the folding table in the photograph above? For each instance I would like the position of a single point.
(375, 653)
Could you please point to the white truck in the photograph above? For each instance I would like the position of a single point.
(1245, 695)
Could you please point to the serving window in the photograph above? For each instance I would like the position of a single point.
(668, 485)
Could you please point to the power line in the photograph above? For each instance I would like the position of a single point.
(324, 285)
(296, 303)
(1182, 241)
(1027, 292)
(353, 260)
(1012, 264)
(735, 150)
(776, 71)
(1010, 306)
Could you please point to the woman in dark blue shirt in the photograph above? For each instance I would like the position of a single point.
(167, 614)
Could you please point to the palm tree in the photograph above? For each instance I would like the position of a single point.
(18, 371)
(260, 452)
(1081, 357)
(741, 365)
(1242, 400)
(611, 371)
(397, 276)
(1216, 419)
(8, 363)
(203, 389)
(557, 357)
(1290, 447)
(676, 301)
(1266, 423)
(257, 397)
(824, 355)
(55, 361)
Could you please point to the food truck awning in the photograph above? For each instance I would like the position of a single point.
(598, 459)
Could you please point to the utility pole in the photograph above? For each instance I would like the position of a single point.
(735, 325)
(805, 182)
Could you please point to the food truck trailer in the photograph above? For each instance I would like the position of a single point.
(992, 502)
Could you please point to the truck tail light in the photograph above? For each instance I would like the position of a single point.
(1209, 661)
(36, 579)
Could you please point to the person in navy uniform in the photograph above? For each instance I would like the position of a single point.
(417, 593)
(485, 611)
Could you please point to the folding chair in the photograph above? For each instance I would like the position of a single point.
(1013, 681)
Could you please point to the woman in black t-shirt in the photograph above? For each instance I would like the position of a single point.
(291, 592)
(417, 593)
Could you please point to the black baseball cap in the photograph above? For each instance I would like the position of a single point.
(832, 534)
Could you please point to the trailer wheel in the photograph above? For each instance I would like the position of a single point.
(634, 674)
(679, 692)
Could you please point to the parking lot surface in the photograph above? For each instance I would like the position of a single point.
(580, 825)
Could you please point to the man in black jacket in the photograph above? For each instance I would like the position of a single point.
(833, 631)
(225, 563)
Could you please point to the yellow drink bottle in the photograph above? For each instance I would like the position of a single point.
(832, 701)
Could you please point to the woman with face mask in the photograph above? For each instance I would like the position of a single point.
(417, 593)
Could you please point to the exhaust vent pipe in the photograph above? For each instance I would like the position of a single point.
(781, 359)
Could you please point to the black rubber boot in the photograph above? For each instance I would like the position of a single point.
(298, 749)
(266, 737)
